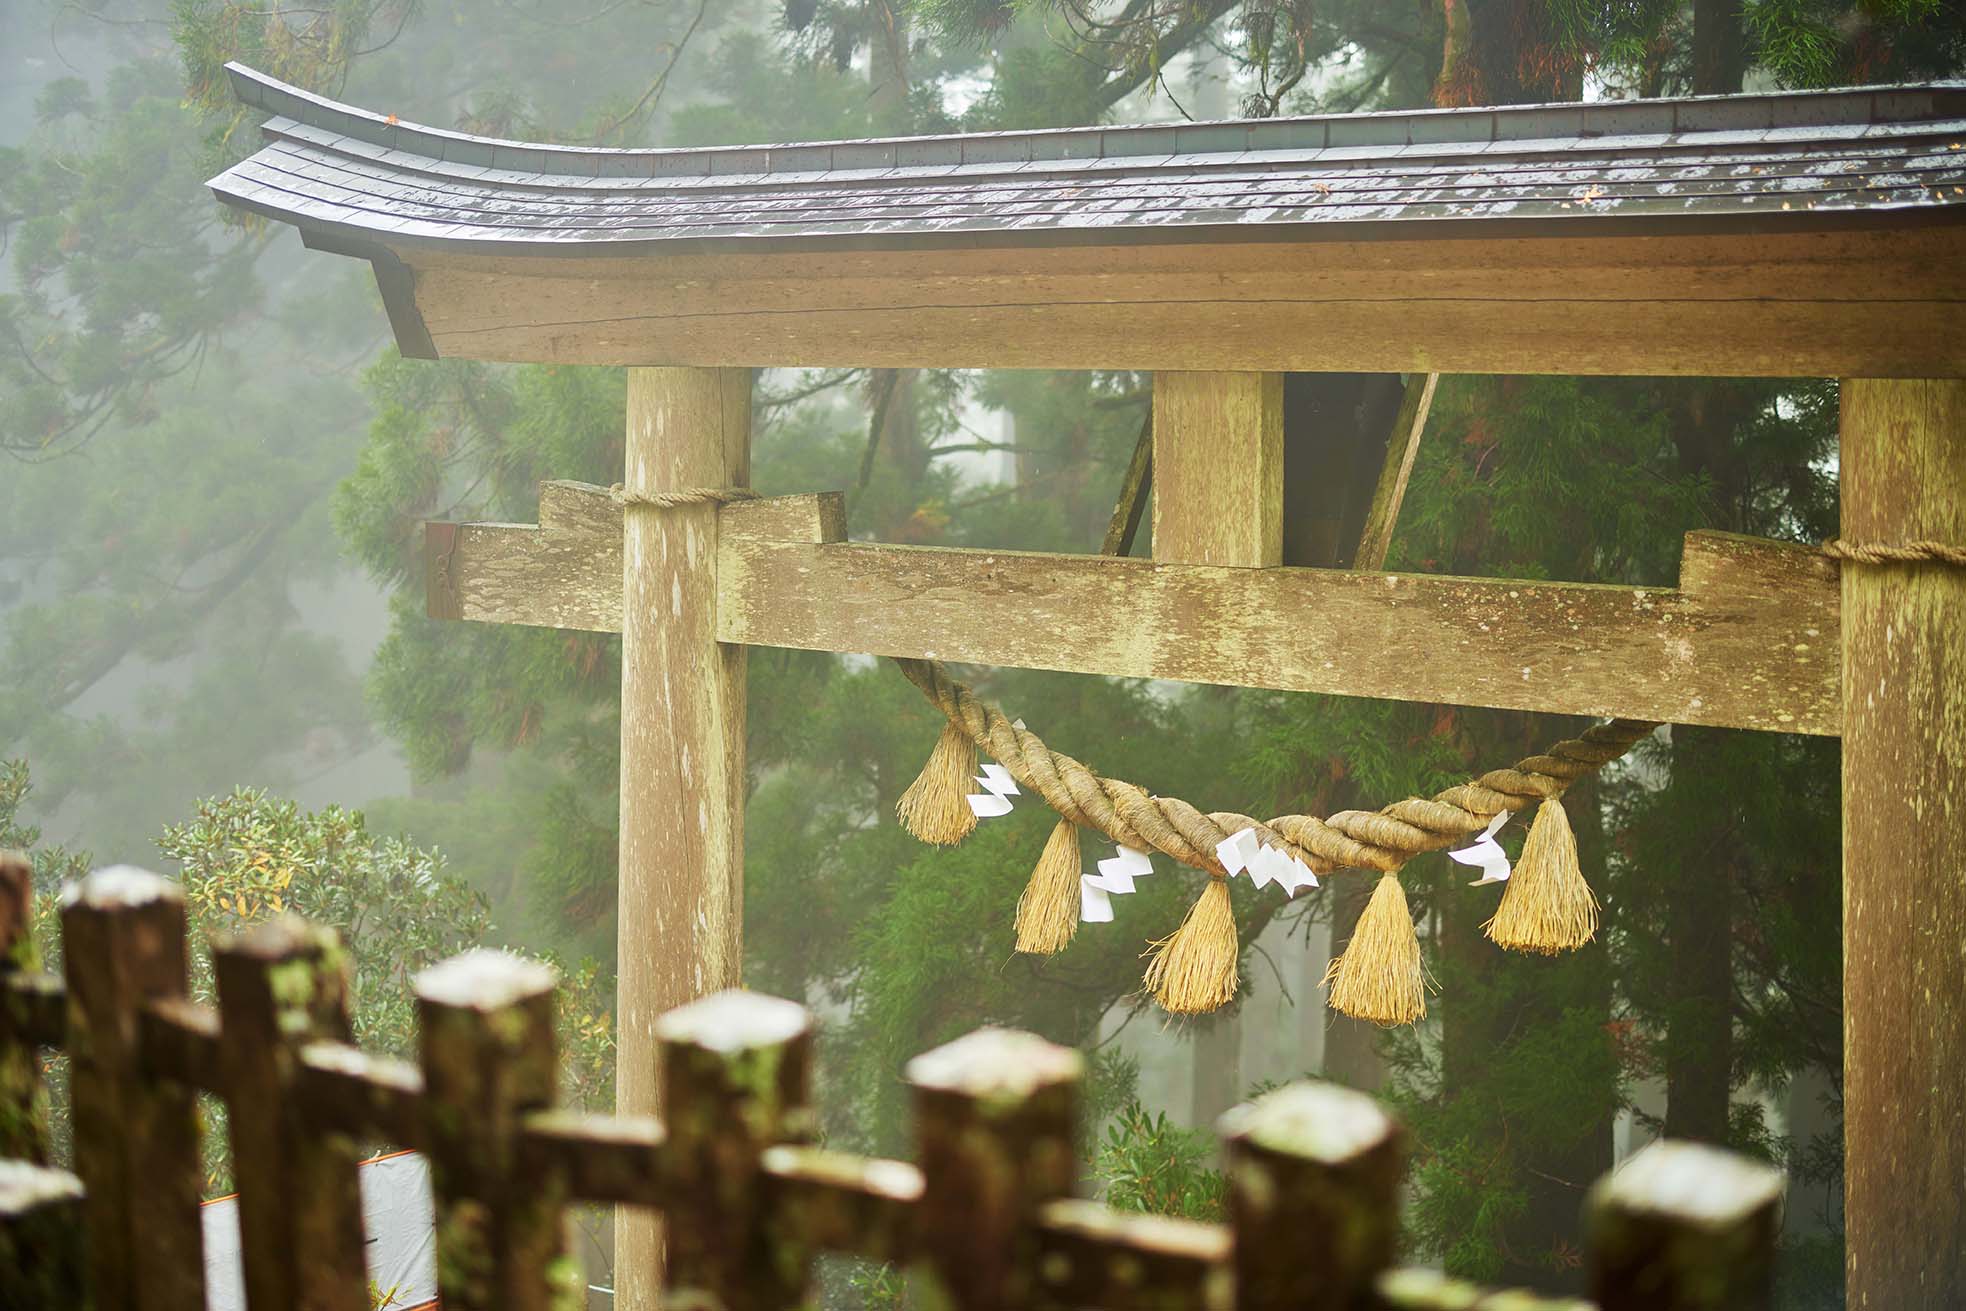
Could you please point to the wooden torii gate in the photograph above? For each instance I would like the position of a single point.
(1814, 234)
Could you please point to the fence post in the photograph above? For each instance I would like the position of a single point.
(41, 1265)
(995, 1113)
(282, 984)
(136, 1138)
(737, 1077)
(1314, 1175)
(1685, 1227)
(23, 1109)
(488, 1061)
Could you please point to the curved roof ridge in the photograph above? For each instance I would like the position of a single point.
(1383, 130)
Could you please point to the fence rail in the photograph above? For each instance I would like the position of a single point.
(986, 1212)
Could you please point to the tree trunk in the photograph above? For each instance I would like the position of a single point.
(1719, 47)
(1699, 1016)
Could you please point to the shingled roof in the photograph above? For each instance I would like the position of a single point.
(1786, 161)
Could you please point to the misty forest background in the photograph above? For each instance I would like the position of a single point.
(213, 646)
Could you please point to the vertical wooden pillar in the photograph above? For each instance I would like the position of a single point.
(1218, 499)
(1904, 849)
(681, 882)
(1218, 468)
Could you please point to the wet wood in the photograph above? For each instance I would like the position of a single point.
(736, 1075)
(489, 1060)
(136, 1136)
(1889, 303)
(995, 1121)
(680, 903)
(23, 1101)
(43, 1259)
(1685, 1227)
(837, 1202)
(282, 984)
(1748, 640)
(177, 1040)
(1383, 515)
(1218, 468)
(1092, 1255)
(1903, 470)
(343, 1089)
(605, 1158)
(1314, 1177)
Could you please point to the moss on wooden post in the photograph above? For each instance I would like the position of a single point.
(41, 1252)
(995, 1113)
(281, 985)
(23, 1105)
(1685, 1227)
(136, 1137)
(736, 1077)
(488, 1061)
(1314, 1175)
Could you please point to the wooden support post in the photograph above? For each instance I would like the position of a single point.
(136, 1137)
(736, 1076)
(281, 985)
(41, 1252)
(1685, 1227)
(1218, 468)
(1314, 1176)
(489, 1060)
(1903, 472)
(23, 1108)
(995, 1115)
(681, 880)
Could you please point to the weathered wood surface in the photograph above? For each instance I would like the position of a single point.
(1383, 515)
(1748, 640)
(1685, 1227)
(988, 1212)
(680, 903)
(136, 1136)
(282, 984)
(43, 1263)
(996, 1118)
(1881, 303)
(1218, 468)
(1314, 1177)
(485, 1022)
(737, 1076)
(1904, 850)
(23, 1103)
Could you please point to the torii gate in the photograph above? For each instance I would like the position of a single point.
(1819, 234)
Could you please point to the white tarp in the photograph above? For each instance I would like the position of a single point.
(397, 1217)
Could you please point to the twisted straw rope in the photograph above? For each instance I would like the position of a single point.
(1351, 839)
(686, 496)
(1917, 552)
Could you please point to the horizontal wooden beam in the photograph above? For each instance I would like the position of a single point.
(1748, 640)
(1876, 303)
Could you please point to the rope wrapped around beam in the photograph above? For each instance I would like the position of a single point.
(1380, 840)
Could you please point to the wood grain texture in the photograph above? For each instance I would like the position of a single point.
(1377, 537)
(1218, 468)
(1881, 303)
(681, 880)
(1904, 850)
(1750, 641)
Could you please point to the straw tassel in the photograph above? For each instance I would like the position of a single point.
(1547, 906)
(934, 807)
(1194, 971)
(1379, 978)
(1048, 912)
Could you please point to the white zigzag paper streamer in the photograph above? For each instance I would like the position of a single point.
(1244, 852)
(1114, 879)
(998, 788)
(1487, 853)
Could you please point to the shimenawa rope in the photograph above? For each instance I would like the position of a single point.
(683, 496)
(1923, 551)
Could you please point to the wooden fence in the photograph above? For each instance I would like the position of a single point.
(986, 1211)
